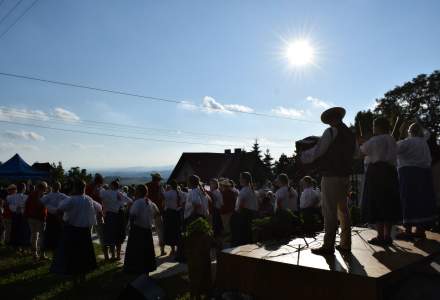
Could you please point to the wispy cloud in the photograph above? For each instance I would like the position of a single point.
(65, 115)
(24, 135)
(80, 146)
(288, 112)
(238, 108)
(11, 113)
(318, 103)
(8, 146)
(210, 105)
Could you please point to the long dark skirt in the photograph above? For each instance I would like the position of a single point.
(172, 227)
(114, 228)
(52, 232)
(241, 227)
(417, 196)
(20, 231)
(217, 222)
(139, 255)
(381, 203)
(74, 254)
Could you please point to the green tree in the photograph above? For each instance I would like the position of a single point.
(285, 164)
(363, 123)
(57, 172)
(268, 165)
(256, 150)
(76, 172)
(417, 99)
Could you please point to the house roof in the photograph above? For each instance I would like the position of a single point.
(17, 168)
(214, 165)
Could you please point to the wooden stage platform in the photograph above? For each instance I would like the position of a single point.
(291, 271)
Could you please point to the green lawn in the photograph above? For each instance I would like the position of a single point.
(22, 278)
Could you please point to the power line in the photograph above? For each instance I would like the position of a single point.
(148, 98)
(10, 11)
(117, 136)
(18, 19)
(26, 115)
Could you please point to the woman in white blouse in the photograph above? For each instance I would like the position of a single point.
(197, 201)
(245, 211)
(174, 200)
(380, 203)
(416, 184)
(139, 255)
(217, 203)
(75, 254)
(54, 224)
(113, 202)
(20, 232)
(286, 196)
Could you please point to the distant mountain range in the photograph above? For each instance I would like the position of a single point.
(134, 174)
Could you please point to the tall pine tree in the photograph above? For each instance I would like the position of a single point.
(267, 162)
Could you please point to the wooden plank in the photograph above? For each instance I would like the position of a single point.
(262, 270)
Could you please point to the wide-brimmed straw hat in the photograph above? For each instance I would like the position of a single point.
(333, 113)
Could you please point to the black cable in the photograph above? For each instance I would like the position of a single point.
(10, 11)
(18, 19)
(149, 98)
(115, 135)
(26, 115)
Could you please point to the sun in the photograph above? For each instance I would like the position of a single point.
(300, 53)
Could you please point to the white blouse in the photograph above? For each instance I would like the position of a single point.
(196, 198)
(80, 210)
(52, 200)
(17, 202)
(309, 198)
(380, 148)
(171, 199)
(218, 199)
(246, 199)
(286, 199)
(113, 200)
(413, 152)
(142, 213)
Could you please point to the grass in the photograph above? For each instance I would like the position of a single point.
(22, 278)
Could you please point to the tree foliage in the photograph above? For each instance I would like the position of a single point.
(417, 99)
(267, 162)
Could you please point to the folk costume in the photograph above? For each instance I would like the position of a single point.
(75, 254)
(20, 232)
(139, 255)
(246, 209)
(417, 195)
(113, 202)
(36, 212)
(174, 201)
(380, 202)
(334, 155)
(215, 208)
(54, 222)
(286, 198)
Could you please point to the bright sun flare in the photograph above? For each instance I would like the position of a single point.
(300, 53)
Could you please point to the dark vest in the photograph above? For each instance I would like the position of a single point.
(338, 160)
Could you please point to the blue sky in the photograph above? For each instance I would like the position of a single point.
(204, 52)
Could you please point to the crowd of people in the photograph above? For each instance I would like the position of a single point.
(42, 219)
(398, 189)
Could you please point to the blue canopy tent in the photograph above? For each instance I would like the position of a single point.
(17, 169)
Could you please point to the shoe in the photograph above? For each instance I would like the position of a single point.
(343, 250)
(323, 251)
